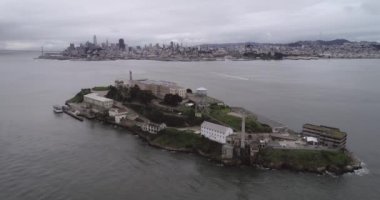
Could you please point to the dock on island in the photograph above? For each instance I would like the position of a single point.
(72, 114)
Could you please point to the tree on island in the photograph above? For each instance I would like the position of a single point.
(188, 90)
(133, 94)
(143, 96)
(172, 99)
(117, 94)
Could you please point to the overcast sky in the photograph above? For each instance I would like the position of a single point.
(29, 24)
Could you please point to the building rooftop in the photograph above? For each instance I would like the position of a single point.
(118, 110)
(213, 126)
(97, 97)
(163, 83)
(201, 89)
(311, 139)
(326, 130)
(154, 124)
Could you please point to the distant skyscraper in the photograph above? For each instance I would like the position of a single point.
(95, 41)
(121, 44)
(107, 43)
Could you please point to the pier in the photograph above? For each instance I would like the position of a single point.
(72, 114)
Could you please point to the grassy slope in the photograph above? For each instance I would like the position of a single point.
(78, 98)
(184, 139)
(303, 158)
(101, 88)
(252, 125)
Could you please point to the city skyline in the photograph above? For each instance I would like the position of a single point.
(54, 24)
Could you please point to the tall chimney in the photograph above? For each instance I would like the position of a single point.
(130, 75)
(242, 140)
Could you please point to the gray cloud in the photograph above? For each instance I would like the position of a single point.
(28, 24)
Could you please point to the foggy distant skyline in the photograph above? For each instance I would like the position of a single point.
(30, 24)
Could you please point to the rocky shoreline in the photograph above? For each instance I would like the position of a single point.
(327, 169)
(317, 170)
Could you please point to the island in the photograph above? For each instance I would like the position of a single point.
(174, 118)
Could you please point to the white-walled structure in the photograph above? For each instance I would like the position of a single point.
(116, 111)
(311, 140)
(118, 114)
(153, 128)
(201, 91)
(99, 102)
(159, 88)
(215, 132)
(178, 90)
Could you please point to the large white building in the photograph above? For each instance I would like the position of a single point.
(97, 101)
(178, 90)
(159, 88)
(215, 132)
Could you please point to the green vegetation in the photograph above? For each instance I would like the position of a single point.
(157, 116)
(101, 88)
(172, 99)
(220, 113)
(170, 119)
(264, 56)
(142, 96)
(191, 120)
(129, 95)
(188, 90)
(78, 98)
(118, 94)
(306, 159)
(174, 138)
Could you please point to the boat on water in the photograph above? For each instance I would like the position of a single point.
(57, 109)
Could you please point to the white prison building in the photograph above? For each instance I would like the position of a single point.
(178, 90)
(159, 88)
(97, 101)
(215, 132)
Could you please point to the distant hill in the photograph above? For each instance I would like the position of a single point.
(320, 42)
(293, 44)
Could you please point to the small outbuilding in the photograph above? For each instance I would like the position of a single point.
(153, 128)
(311, 140)
(201, 91)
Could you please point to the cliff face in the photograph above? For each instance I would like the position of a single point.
(182, 141)
(176, 140)
(337, 162)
